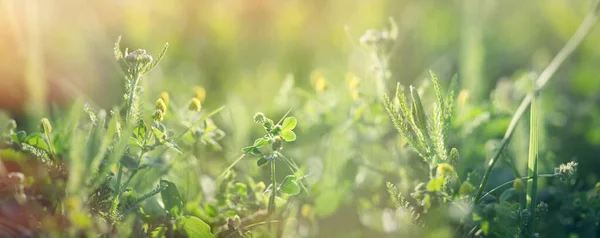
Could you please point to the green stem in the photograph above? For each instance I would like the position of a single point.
(271, 208)
(49, 143)
(512, 181)
(130, 99)
(541, 81)
(532, 166)
(113, 208)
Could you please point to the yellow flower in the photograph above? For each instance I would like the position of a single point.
(165, 97)
(200, 93)
(445, 170)
(195, 105)
(352, 81)
(318, 81)
(161, 105)
(463, 97)
(158, 115)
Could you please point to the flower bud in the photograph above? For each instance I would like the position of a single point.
(445, 170)
(158, 115)
(161, 105)
(259, 118)
(195, 105)
(45, 126)
(267, 124)
(165, 97)
(200, 93)
(519, 186)
(276, 129)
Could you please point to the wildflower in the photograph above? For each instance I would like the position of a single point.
(161, 105)
(259, 118)
(195, 105)
(374, 37)
(200, 93)
(158, 115)
(165, 97)
(45, 126)
(463, 97)
(519, 186)
(566, 171)
(138, 58)
(445, 170)
(318, 81)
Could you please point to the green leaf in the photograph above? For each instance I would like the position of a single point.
(19, 137)
(289, 185)
(289, 124)
(252, 150)
(435, 184)
(129, 162)
(171, 198)
(172, 146)
(159, 134)
(288, 136)
(260, 142)
(194, 227)
(240, 189)
(261, 161)
(159, 232)
(140, 131)
(485, 227)
(210, 210)
(36, 140)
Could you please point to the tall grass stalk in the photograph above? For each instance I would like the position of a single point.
(583, 30)
(532, 166)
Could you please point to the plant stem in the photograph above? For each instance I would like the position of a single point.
(570, 46)
(49, 142)
(532, 165)
(113, 208)
(271, 208)
(130, 99)
(512, 181)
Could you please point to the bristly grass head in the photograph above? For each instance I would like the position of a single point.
(426, 134)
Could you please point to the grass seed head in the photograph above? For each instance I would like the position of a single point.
(45, 126)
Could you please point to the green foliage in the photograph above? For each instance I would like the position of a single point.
(97, 172)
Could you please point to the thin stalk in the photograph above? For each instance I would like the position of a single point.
(113, 207)
(542, 80)
(271, 208)
(131, 97)
(532, 166)
(512, 181)
(49, 143)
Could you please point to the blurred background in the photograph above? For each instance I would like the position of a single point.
(55, 51)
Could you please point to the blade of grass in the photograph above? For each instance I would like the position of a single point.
(532, 165)
(542, 80)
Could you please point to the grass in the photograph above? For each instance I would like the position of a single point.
(348, 159)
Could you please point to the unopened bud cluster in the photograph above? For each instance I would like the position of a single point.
(161, 108)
